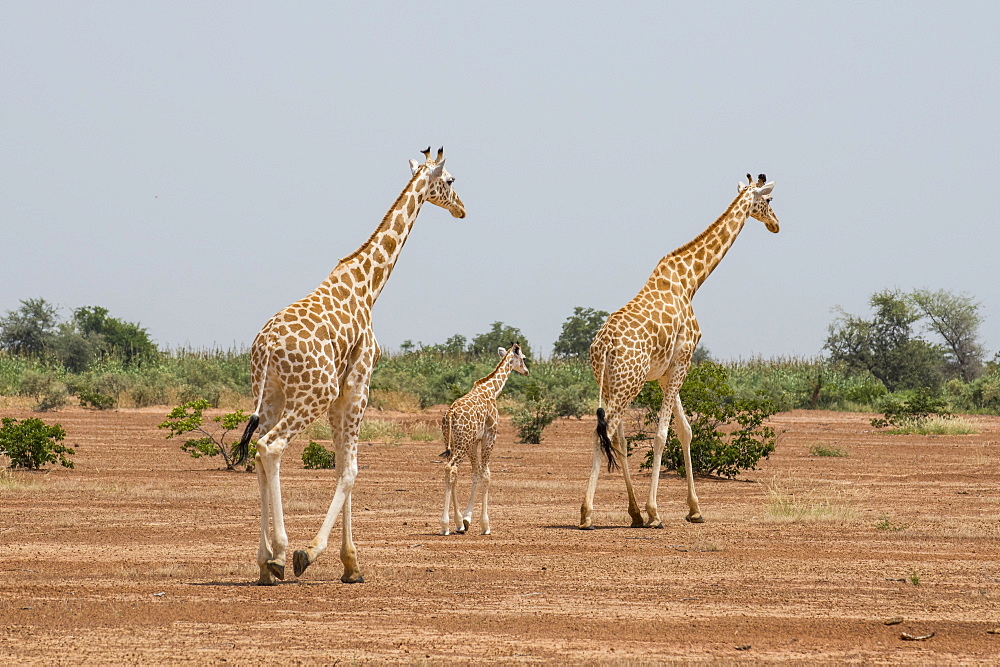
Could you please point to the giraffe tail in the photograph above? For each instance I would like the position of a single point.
(242, 450)
(606, 444)
(446, 432)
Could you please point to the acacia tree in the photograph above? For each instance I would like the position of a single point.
(499, 335)
(30, 329)
(885, 345)
(578, 332)
(127, 339)
(956, 319)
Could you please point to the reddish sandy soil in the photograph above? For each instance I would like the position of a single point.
(144, 555)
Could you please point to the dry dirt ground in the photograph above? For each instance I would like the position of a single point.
(144, 555)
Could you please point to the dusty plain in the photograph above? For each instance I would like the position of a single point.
(142, 554)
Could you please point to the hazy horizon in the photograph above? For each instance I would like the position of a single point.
(194, 167)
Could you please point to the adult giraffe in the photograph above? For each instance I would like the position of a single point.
(652, 337)
(315, 358)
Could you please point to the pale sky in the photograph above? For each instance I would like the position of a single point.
(196, 166)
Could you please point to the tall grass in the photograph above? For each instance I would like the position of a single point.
(416, 379)
(813, 383)
(220, 376)
(807, 506)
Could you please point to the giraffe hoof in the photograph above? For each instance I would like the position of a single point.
(658, 524)
(277, 569)
(695, 518)
(637, 522)
(300, 561)
(352, 578)
(586, 526)
(465, 524)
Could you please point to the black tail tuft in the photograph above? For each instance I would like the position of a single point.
(602, 433)
(446, 454)
(242, 450)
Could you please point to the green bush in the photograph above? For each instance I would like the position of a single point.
(914, 409)
(317, 457)
(532, 418)
(31, 443)
(187, 419)
(95, 399)
(728, 433)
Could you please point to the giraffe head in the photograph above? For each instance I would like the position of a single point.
(440, 192)
(516, 362)
(760, 201)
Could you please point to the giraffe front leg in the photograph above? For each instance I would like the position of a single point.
(348, 464)
(484, 520)
(659, 441)
(684, 433)
(470, 507)
(347, 458)
(348, 552)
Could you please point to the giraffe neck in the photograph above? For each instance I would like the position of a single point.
(368, 267)
(495, 381)
(695, 261)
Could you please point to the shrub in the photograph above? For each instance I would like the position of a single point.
(728, 433)
(187, 419)
(531, 419)
(317, 457)
(95, 399)
(31, 443)
(915, 409)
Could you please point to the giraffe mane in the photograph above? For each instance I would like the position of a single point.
(494, 372)
(701, 237)
(384, 225)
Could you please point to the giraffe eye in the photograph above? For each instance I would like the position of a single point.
(450, 180)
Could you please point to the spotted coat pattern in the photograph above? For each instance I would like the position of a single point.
(470, 429)
(314, 359)
(653, 337)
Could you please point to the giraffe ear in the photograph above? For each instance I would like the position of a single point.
(413, 166)
(437, 170)
(765, 189)
(502, 352)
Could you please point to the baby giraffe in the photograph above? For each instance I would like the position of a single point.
(470, 428)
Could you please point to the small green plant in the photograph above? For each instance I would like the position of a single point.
(824, 450)
(535, 414)
(187, 419)
(914, 578)
(317, 457)
(31, 443)
(884, 523)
